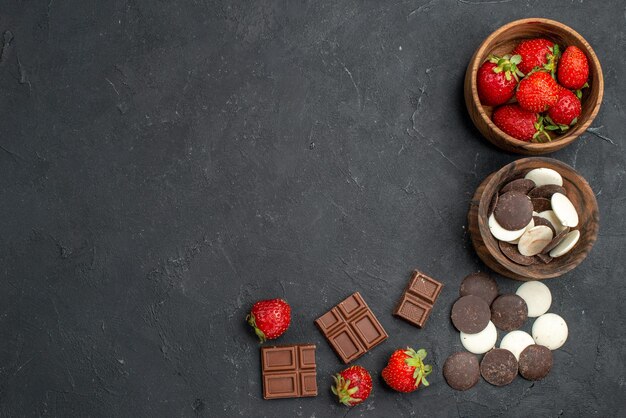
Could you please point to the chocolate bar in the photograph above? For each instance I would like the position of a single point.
(351, 328)
(289, 371)
(418, 299)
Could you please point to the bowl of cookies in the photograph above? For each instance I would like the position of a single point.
(535, 218)
(533, 86)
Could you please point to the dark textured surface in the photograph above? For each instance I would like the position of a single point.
(164, 164)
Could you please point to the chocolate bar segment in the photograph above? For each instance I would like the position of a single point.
(418, 299)
(351, 328)
(289, 371)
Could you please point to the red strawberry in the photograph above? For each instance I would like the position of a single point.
(406, 371)
(565, 112)
(573, 68)
(520, 123)
(270, 318)
(352, 386)
(497, 78)
(537, 52)
(537, 92)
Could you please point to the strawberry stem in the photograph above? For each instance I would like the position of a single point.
(553, 58)
(508, 64)
(341, 389)
(416, 359)
(579, 92)
(541, 135)
(252, 322)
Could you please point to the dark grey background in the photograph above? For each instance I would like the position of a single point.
(165, 164)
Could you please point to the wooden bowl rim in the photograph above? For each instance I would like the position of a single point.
(485, 234)
(580, 128)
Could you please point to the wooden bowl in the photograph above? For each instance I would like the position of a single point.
(578, 191)
(502, 42)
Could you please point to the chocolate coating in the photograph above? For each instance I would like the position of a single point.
(513, 211)
(556, 241)
(512, 253)
(546, 191)
(509, 312)
(544, 222)
(541, 204)
(519, 185)
(461, 370)
(499, 367)
(470, 314)
(535, 362)
(481, 285)
(544, 258)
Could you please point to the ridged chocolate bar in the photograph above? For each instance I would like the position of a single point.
(351, 328)
(418, 299)
(289, 371)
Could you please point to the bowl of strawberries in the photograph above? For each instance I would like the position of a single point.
(533, 86)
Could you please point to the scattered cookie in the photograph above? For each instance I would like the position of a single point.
(511, 252)
(564, 210)
(503, 234)
(568, 242)
(519, 185)
(530, 225)
(482, 341)
(535, 362)
(546, 191)
(537, 297)
(544, 258)
(499, 367)
(481, 285)
(513, 211)
(470, 314)
(461, 370)
(550, 216)
(509, 312)
(534, 240)
(516, 342)
(555, 241)
(540, 204)
(550, 330)
(543, 176)
(539, 221)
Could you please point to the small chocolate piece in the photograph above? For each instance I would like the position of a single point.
(509, 312)
(461, 370)
(519, 185)
(546, 191)
(418, 299)
(470, 314)
(544, 258)
(288, 371)
(541, 204)
(499, 367)
(481, 285)
(535, 362)
(544, 222)
(512, 253)
(513, 211)
(351, 328)
(556, 240)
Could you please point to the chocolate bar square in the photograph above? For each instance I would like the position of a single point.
(351, 328)
(289, 371)
(418, 299)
